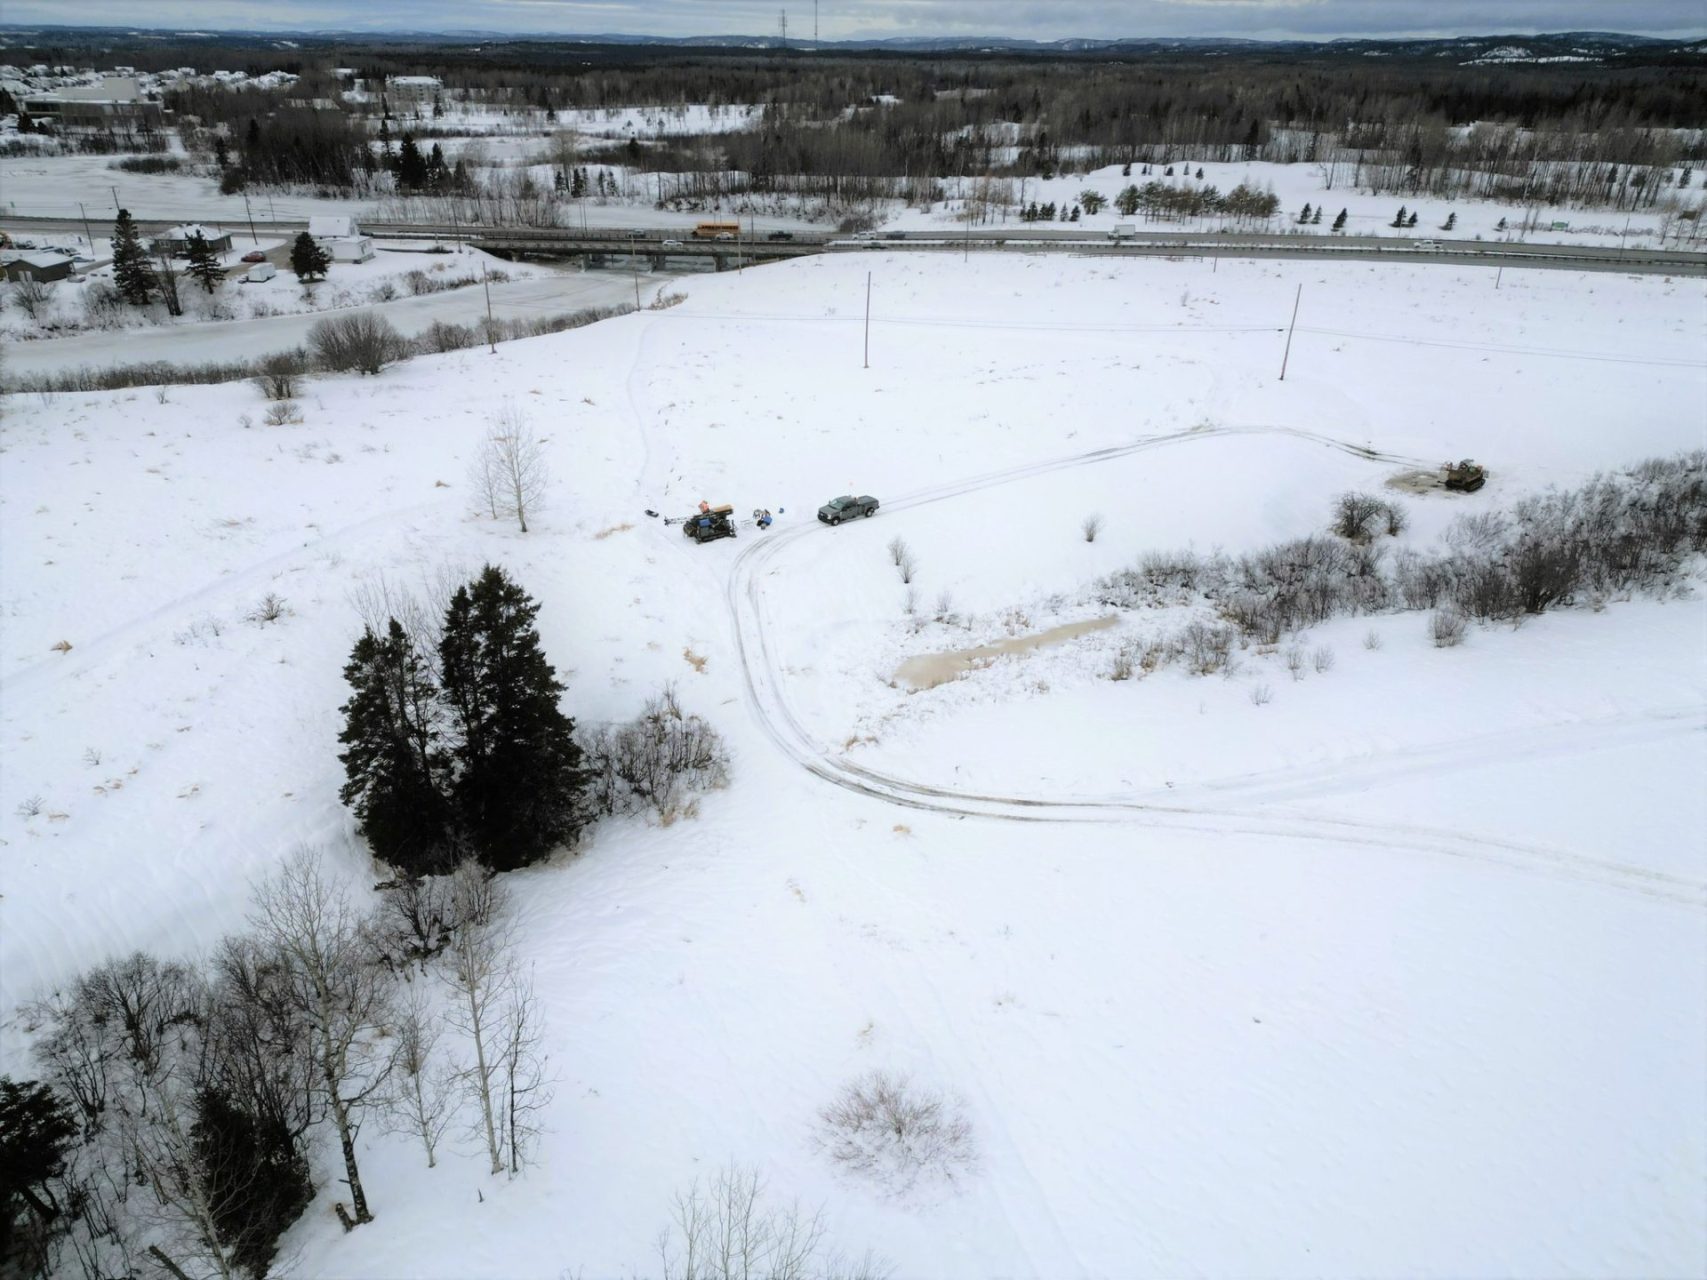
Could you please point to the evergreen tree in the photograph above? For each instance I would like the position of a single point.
(396, 769)
(1339, 222)
(1127, 200)
(133, 273)
(35, 1130)
(1398, 218)
(204, 263)
(1304, 214)
(1450, 223)
(26, 122)
(254, 1175)
(411, 166)
(1200, 175)
(1412, 221)
(1316, 217)
(519, 776)
(309, 258)
(221, 151)
(1074, 216)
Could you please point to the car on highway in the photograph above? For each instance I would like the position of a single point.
(725, 235)
(847, 507)
(780, 235)
(671, 244)
(636, 234)
(254, 255)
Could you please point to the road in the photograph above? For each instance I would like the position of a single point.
(245, 339)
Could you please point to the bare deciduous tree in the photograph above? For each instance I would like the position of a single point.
(509, 473)
(425, 1094)
(526, 1087)
(340, 992)
(1091, 526)
(481, 975)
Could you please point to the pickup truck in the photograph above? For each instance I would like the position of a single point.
(847, 507)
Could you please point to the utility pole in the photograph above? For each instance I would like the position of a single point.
(634, 270)
(1498, 274)
(814, 24)
(868, 319)
(86, 233)
(246, 209)
(1288, 355)
(115, 192)
(491, 329)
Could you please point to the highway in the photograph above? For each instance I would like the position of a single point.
(568, 242)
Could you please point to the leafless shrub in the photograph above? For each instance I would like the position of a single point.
(281, 375)
(884, 1128)
(1205, 648)
(424, 1101)
(897, 551)
(270, 608)
(1295, 662)
(32, 297)
(1478, 531)
(729, 1232)
(30, 807)
(92, 757)
(1090, 527)
(1354, 513)
(1261, 695)
(1372, 640)
(1446, 628)
(944, 607)
(1322, 659)
(1396, 518)
(908, 566)
(442, 336)
(666, 299)
(1125, 660)
(657, 760)
(910, 602)
(361, 341)
(284, 413)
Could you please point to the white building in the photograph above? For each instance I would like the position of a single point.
(341, 236)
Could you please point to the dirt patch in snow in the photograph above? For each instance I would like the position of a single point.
(1416, 481)
(928, 670)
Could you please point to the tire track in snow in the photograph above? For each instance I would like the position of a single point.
(776, 715)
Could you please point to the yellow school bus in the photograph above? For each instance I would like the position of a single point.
(717, 231)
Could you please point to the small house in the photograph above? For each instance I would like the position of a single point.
(43, 267)
(341, 236)
(177, 241)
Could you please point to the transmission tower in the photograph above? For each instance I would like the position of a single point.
(782, 27)
(814, 24)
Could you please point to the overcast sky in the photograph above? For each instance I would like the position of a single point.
(844, 19)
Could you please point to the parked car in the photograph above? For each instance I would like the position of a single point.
(254, 255)
(671, 244)
(780, 235)
(847, 507)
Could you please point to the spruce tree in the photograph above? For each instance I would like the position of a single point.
(133, 273)
(1339, 222)
(308, 258)
(36, 1130)
(204, 263)
(518, 771)
(396, 769)
(1398, 218)
(411, 166)
(253, 1173)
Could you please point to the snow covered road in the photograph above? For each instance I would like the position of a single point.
(200, 343)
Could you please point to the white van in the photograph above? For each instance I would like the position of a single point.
(260, 273)
(1123, 231)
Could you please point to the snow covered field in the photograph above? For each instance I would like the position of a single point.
(1402, 971)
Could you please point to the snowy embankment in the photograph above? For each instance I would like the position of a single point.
(1387, 988)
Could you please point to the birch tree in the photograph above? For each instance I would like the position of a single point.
(509, 473)
(338, 990)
